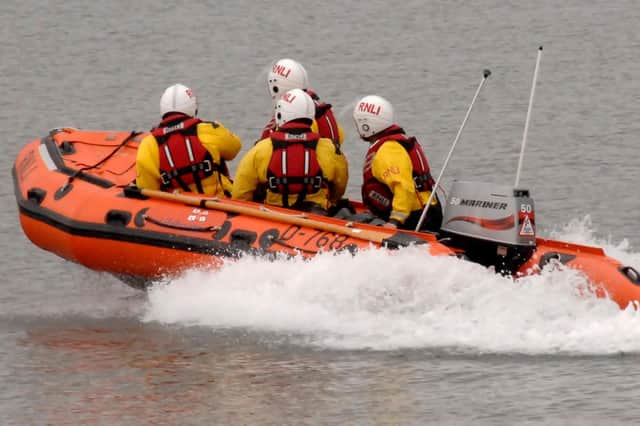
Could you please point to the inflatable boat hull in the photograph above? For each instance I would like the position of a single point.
(75, 199)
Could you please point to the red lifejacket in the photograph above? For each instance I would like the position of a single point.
(326, 121)
(183, 158)
(378, 196)
(294, 167)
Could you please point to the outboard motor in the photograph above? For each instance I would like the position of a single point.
(493, 224)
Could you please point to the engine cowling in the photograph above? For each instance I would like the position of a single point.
(493, 224)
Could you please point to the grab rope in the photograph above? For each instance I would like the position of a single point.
(80, 171)
(181, 227)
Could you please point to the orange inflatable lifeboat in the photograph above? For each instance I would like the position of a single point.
(75, 197)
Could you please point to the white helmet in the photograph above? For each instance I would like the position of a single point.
(286, 74)
(294, 105)
(372, 115)
(179, 98)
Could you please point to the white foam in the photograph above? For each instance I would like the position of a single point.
(405, 299)
(582, 231)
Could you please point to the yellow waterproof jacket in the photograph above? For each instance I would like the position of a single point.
(220, 142)
(252, 174)
(391, 165)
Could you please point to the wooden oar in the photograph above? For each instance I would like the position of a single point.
(231, 207)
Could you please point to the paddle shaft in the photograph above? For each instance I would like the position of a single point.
(485, 74)
(362, 234)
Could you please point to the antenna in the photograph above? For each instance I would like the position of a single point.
(526, 124)
(485, 74)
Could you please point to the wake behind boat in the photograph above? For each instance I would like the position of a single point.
(75, 199)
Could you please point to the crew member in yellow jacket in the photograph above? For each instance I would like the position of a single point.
(184, 152)
(396, 181)
(296, 167)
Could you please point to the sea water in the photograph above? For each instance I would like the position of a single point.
(379, 338)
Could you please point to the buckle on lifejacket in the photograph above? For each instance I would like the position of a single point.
(165, 178)
(273, 182)
(317, 182)
(421, 180)
(208, 166)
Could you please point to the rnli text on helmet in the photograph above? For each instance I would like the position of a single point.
(281, 70)
(288, 97)
(370, 108)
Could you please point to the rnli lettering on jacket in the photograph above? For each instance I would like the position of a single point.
(294, 167)
(378, 196)
(183, 158)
